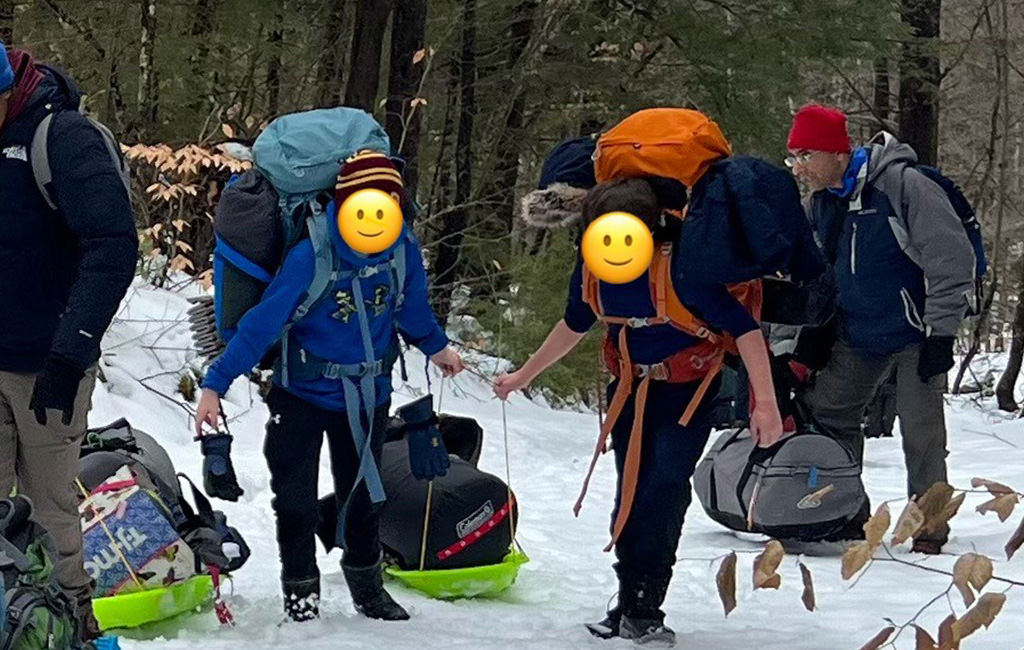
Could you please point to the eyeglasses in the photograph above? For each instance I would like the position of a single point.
(801, 158)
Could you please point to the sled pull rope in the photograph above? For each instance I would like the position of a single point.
(113, 542)
(426, 523)
(508, 462)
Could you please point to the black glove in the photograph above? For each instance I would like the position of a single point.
(218, 473)
(428, 457)
(56, 388)
(936, 356)
(814, 345)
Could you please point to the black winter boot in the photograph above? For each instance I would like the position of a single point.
(368, 595)
(609, 627)
(640, 598)
(302, 599)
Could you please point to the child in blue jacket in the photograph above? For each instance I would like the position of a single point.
(334, 377)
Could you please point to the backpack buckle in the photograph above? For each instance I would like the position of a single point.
(656, 371)
(636, 322)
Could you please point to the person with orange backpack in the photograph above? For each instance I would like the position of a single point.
(665, 360)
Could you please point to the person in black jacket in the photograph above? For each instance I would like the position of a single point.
(63, 273)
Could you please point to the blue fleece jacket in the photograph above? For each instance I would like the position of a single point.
(330, 331)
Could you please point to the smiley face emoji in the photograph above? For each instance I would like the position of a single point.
(617, 247)
(370, 221)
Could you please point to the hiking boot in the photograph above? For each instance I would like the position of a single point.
(368, 595)
(302, 599)
(651, 632)
(607, 628)
(926, 547)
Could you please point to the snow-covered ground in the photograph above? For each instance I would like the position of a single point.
(569, 579)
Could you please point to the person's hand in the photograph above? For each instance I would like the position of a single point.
(936, 357)
(208, 411)
(766, 423)
(56, 388)
(509, 382)
(449, 361)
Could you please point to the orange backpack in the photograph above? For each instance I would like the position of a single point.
(670, 143)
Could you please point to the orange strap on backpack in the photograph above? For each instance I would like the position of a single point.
(703, 361)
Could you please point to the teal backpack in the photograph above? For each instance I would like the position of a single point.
(37, 614)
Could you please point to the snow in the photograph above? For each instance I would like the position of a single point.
(569, 579)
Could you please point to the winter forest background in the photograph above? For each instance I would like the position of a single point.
(476, 92)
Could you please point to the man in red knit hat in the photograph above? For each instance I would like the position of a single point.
(904, 268)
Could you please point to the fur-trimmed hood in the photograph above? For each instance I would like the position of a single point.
(556, 206)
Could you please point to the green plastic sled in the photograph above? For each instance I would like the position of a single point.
(142, 607)
(471, 582)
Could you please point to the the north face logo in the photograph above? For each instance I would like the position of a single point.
(814, 499)
(16, 152)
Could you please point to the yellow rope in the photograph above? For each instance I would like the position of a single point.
(426, 525)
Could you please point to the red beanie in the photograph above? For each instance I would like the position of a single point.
(368, 170)
(819, 128)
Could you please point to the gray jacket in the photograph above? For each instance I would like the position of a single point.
(927, 229)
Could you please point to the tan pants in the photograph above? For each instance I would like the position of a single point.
(42, 462)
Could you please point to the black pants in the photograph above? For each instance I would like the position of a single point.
(295, 435)
(669, 455)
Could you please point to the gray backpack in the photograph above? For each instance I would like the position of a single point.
(39, 153)
(807, 487)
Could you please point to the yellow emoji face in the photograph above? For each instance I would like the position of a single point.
(370, 221)
(617, 247)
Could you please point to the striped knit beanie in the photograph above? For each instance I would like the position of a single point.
(368, 170)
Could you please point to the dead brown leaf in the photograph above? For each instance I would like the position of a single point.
(1001, 505)
(994, 488)
(877, 526)
(855, 557)
(808, 595)
(982, 614)
(910, 521)
(923, 639)
(971, 570)
(879, 639)
(726, 580)
(947, 640)
(765, 565)
(1016, 541)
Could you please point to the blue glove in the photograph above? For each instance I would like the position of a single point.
(428, 457)
(218, 473)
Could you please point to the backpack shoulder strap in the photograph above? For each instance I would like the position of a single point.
(40, 156)
(324, 275)
(667, 301)
(592, 292)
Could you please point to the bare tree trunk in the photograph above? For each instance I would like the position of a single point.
(883, 94)
(202, 28)
(1000, 114)
(331, 62)
(274, 62)
(453, 231)
(147, 71)
(7, 22)
(919, 79)
(500, 193)
(367, 40)
(1008, 382)
(403, 120)
(1005, 388)
(115, 99)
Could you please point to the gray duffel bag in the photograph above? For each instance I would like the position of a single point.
(806, 487)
